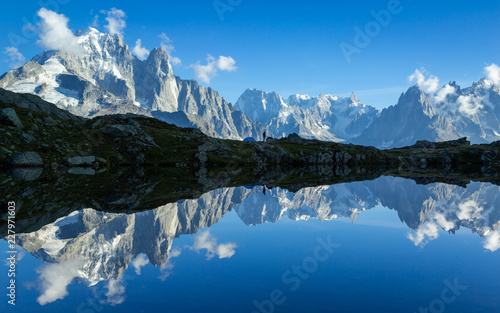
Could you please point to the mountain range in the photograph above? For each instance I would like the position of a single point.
(106, 78)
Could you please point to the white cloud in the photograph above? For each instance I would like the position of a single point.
(444, 92)
(116, 291)
(205, 241)
(139, 50)
(174, 253)
(55, 279)
(492, 241)
(166, 44)
(139, 262)
(468, 210)
(443, 222)
(16, 57)
(427, 231)
(175, 61)
(430, 84)
(226, 250)
(469, 105)
(116, 21)
(227, 64)
(206, 73)
(493, 73)
(55, 34)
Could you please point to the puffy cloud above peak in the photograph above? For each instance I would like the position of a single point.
(116, 21)
(139, 50)
(55, 34)
(469, 105)
(206, 73)
(175, 60)
(428, 83)
(492, 73)
(444, 92)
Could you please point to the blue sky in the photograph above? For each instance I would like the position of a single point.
(294, 46)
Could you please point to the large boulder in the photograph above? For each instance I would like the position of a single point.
(8, 116)
(25, 159)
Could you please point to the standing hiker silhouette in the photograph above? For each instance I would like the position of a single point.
(264, 136)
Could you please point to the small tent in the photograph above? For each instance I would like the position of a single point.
(249, 139)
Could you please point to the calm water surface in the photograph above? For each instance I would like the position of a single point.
(387, 245)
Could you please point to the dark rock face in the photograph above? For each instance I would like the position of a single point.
(26, 159)
(8, 116)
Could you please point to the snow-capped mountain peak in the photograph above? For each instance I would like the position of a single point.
(325, 117)
(104, 77)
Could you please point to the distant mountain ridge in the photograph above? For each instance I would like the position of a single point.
(448, 114)
(325, 117)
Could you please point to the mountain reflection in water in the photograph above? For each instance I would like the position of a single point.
(94, 247)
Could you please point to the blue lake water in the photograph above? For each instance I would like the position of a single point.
(388, 245)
